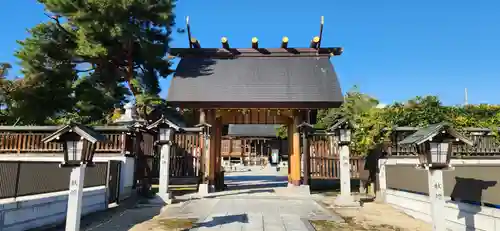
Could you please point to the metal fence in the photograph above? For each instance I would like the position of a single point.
(22, 178)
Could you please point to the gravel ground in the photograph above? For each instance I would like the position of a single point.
(371, 216)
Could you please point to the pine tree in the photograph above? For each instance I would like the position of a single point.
(90, 56)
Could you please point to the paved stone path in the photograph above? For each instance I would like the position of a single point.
(257, 204)
(257, 200)
(251, 214)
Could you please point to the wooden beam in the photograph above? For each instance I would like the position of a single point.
(251, 52)
(188, 32)
(255, 43)
(284, 42)
(254, 116)
(314, 42)
(225, 43)
(195, 43)
(321, 31)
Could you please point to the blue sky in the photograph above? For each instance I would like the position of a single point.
(393, 50)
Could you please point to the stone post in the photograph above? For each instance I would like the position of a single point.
(345, 198)
(75, 198)
(437, 202)
(165, 147)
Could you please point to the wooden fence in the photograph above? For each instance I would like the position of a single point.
(325, 161)
(185, 160)
(120, 140)
(28, 139)
(252, 151)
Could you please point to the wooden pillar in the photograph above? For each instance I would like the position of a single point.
(212, 159)
(291, 163)
(219, 178)
(305, 152)
(296, 158)
(203, 147)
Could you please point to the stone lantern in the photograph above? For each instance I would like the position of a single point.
(433, 145)
(79, 143)
(166, 130)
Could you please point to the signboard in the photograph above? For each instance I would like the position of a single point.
(275, 156)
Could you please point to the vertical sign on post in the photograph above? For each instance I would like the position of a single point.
(74, 210)
(436, 193)
(165, 136)
(345, 174)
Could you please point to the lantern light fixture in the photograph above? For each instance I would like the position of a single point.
(165, 130)
(434, 143)
(79, 144)
(342, 130)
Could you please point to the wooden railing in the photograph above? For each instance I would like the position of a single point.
(185, 161)
(325, 161)
(486, 144)
(28, 139)
(329, 167)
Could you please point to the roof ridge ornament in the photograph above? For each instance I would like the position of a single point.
(130, 117)
(226, 51)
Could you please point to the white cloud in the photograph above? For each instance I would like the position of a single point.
(381, 105)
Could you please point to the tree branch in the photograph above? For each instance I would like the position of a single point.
(58, 23)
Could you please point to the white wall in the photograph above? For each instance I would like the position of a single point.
(34, 211)
(126, 173)
(458, 215)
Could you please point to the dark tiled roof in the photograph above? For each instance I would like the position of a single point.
(281, 80)
(82, 130)
(424, 134)
(252, 130)
(341, 122)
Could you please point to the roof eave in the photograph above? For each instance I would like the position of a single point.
(250, 52)
(258, 104)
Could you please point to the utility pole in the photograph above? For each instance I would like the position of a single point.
(466, 98)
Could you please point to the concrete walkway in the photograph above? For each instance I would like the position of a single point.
(255, 200)
(250, 214)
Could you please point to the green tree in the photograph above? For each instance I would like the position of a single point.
(355, 104)
(418, 112)
(361, 110)
(90, 57)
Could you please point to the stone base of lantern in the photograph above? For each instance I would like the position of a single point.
(205, 189)
(299, 191)
(346, 201)
(162, 198)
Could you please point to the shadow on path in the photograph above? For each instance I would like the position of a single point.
(240, 192)
(123, 217)
(222, 220)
